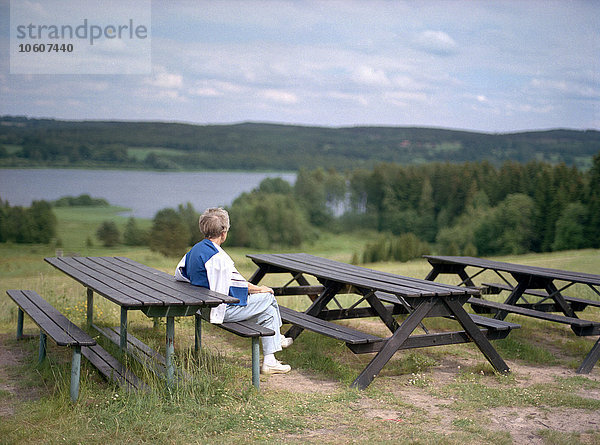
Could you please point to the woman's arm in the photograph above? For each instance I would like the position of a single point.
(254, 289)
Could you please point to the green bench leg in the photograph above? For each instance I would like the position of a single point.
(75, 373)
(255, 362)
(43, 345)
(20, 315)
(197, 333)
(170, 350)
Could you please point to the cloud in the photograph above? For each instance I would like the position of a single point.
(565, 87)
(215, 88)
(370, 76)
(280, 96)
(163, 79)
(436, 42)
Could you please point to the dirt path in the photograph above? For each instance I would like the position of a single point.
(12, 355)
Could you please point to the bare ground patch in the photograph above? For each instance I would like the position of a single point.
(11, 394)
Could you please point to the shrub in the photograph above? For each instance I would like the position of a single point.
(169, 235)
(109, 234)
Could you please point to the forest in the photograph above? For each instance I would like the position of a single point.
(472, 208)
(452, 209)
(28, 142)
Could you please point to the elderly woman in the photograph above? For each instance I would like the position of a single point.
(208, 265)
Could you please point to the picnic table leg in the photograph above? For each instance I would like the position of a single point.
(256, 362)
(476, 335)
(316, 307)
(433, 274)
(384, 314)
(197, 333)
(90, 307)
(590, 359)
(43, 347)
(560, 301)
(393, 344)
(170, 349)
(512, 299)
(123, 330)
(75, 373)
(20, 315)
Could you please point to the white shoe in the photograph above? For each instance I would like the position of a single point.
(286, 342)
(277, 368)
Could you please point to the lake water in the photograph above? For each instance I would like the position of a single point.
(143, 192)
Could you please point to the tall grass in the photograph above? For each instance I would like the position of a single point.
(218, 404)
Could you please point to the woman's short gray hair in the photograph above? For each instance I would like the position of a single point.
(213, 222)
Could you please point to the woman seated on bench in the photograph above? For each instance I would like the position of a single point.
(208, 265)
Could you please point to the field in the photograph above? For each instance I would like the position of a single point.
(446, 394)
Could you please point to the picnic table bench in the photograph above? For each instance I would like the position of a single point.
(382, 295)
(54, 324)
(134, 286)
(528, 283)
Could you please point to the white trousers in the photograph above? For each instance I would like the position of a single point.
(262, 309)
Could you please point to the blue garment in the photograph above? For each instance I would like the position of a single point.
(207, 265)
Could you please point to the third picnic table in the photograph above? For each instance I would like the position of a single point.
(528, 282)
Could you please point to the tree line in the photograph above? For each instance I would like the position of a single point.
(454, 209)
(473, 208)
(254, 146)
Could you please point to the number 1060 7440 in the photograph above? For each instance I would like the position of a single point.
(45, 48)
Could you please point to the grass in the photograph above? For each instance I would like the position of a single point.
(447, 394)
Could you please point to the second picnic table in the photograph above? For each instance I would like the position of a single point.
(386, 295)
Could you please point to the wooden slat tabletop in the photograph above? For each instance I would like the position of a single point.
(556, 274)
(360, 276)
(131, 284)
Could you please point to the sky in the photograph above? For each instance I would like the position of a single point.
(490, 66)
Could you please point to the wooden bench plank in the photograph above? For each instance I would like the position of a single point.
(339, 332)
(184, 290)
(51, 321)
(533, 313)
(111, 368)
(555, 274)
(491, 323)
(387, 277)
(407, 287)
(581, 302)
(107, 292)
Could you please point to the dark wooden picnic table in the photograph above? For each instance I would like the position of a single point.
(533, 291)
(134, 286)
(385, 295)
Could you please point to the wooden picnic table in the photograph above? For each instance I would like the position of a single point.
(134, 286)
(533, 291)
(385, 295)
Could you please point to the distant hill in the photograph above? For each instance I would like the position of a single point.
(257, 146)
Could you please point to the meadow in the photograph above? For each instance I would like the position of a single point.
(446, 394)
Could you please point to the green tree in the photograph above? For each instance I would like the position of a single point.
(509, 229)
(133, 235)
(169, 234)
(571, 227)
(263, 220)
(108, 233)
(593, 203)
(43, 222)
(190, 217)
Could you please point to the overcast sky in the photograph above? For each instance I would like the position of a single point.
(494, 66)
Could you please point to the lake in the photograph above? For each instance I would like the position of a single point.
(144, 192)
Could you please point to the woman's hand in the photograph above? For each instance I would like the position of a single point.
(254, 289)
